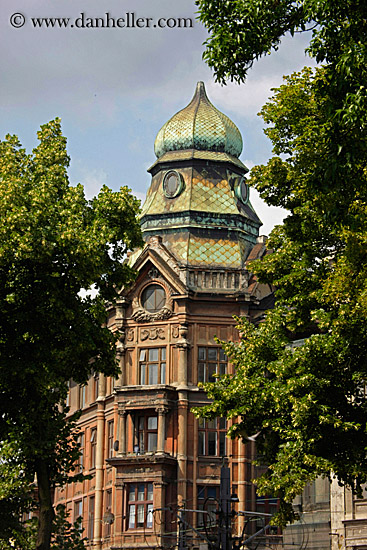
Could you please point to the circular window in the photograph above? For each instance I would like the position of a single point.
(153, 298)
(172, 184)
(242, 191)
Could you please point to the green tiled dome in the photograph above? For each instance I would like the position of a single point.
(199, 126)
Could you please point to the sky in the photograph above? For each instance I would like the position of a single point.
(114, 88)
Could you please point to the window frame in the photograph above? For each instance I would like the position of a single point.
(145, 504)
(91, 518)
(78, 509)
(161, 302)
(81, 442)
(146, 364)
(209, 434)
(208, 365)
(110, 438)
(144, 432)
(96, 385)
(207, 494)
(82, 395)
(108, 508)
(93, 447)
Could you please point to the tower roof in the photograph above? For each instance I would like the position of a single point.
(199, 126)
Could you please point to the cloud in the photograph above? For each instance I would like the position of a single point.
(92, 73)
(247, 99)
(114, 88)
(91, 179)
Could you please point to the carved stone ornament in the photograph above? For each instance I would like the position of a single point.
(141, 315)
(175, 331)
(152, 334)
(130, 335)
(153, 273)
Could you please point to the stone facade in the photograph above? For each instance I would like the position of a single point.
(148, 456)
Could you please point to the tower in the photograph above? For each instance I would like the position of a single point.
(152, 461)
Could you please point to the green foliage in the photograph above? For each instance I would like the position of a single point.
(242, 31)
(16, 497)
(67, 536)
(307, 404)
(53, 244)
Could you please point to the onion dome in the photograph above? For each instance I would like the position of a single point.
(199, 126)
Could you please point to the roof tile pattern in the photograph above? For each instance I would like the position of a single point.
(194, 250)
(199, 126)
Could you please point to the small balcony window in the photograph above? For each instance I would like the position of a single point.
(140, 506)
(152, 366)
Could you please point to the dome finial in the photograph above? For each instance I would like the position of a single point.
(199, 126)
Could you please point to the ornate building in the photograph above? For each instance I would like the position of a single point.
(149, 457)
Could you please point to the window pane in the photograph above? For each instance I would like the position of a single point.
(141, 491)
(160, 298)
(201, 449)
(200, 516)
(153, 354)
(211, 424)
(201, 371)
(150, 516)
(140, 519)
(212, 443)
(152, 442)
(211, 370)
(141, 422)
(132, 492)
(150, 491)
(212, 354)
(148, 299)
(211, 492)
(201, 352)
(142, 375)
(211, 518)
(131, 516)
(222, 443)
(222, 356)
(201, 491)
(153, 374)
(142, 354)
(222, 423)
(163, 354)
(222, 368)
(152, 422)
(163, 373)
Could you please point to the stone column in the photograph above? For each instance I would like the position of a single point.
(121, 305)
(195, 473)
(99, 463)
(121, 355)
(122, 433)
(159, 504)
(183, 347)
(182, 448)
(241, 483)
(162, 411)
(182, 411)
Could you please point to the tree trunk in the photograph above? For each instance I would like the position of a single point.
(46, 512)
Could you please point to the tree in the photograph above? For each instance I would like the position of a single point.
(16, 498)
(53, 244)
(306, 403)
